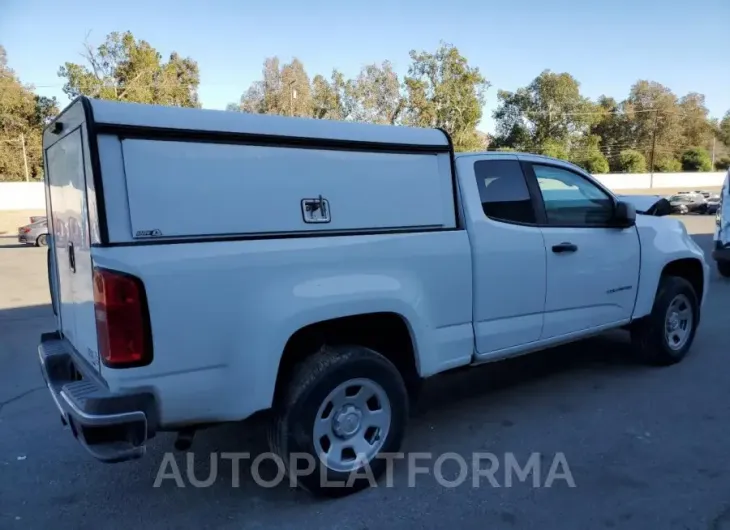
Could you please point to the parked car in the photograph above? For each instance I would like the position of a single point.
(648, 204)
(353, 262)
(713, 204)
(687, 203)
(35, 233)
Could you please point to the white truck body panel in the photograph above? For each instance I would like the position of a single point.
(210, 221)
(508, 262)
(722, 226)
(225, 348)
(224, 189)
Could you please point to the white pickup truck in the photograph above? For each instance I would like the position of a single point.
(206, 266)
(721, 240)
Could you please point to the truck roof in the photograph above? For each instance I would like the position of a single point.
(138, 115)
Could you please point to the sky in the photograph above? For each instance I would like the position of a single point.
(605, 45)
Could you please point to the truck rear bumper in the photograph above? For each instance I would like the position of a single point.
(112, 427)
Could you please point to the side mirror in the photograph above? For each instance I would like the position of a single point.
(624, 215)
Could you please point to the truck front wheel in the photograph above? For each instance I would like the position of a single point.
(343, 410)
(665, 336)
(723, 267)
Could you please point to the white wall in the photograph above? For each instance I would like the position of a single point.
(22, 196)
(31, 196)
(619, 181)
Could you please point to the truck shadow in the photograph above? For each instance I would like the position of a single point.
(479, 388)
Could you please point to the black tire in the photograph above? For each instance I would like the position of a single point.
(292, 431)
(648, 335)
(42, 240)
(723, 267)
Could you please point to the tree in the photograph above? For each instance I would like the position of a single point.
(554, 149)
(723, 131)
(284, 90)
(632, 161)
(377, 93)
(334, 99)
(125, 69)
(550, 109)
(723, 163)
(695, 122)
(22, 117)
(444, 91)
(613, 127)
(667, 163)
(587, 154)
(696, 159)
(655, 117)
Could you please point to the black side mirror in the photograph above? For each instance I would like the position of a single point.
(624, 215)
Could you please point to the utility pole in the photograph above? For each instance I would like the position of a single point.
(292, 96)
(653, 148)
(714, 140)
(25, 158)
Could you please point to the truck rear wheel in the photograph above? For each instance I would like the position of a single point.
(665, 336)
(343, 410)
(723, 267)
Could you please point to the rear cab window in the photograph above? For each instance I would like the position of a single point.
(503, 191)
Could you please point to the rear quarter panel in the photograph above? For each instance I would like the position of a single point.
(222, 312)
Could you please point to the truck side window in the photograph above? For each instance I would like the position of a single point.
(570, 199)
(503, 191)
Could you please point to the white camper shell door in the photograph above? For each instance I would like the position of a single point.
(193, 189)
(65, 167)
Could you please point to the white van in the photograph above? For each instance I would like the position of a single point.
(721, 251)
(209, 266)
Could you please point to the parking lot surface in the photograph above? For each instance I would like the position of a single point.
(646, 447)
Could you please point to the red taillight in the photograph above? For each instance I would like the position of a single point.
(122, 320)
(24, 230)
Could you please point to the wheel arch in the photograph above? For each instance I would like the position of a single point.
(387, 332)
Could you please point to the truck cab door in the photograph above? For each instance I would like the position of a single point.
(508, 253)
(592, 267)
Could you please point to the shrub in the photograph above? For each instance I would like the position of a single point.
(631, 161)
(696, 159)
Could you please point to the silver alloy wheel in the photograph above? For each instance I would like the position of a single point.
(678, 322)
(352, 424)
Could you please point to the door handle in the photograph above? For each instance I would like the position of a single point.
(565, 247)
(71, 257)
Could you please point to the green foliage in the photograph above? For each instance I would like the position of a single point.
(442, 90)
(723, 131)
(723, 163)
(125, 69)
(554, 149)
(587, 155)
(696, 159)
(667, 163)
(549, 110)
(22, 116)
(632, 161)
(595, 163)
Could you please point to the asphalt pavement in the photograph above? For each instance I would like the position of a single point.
(643, 447)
